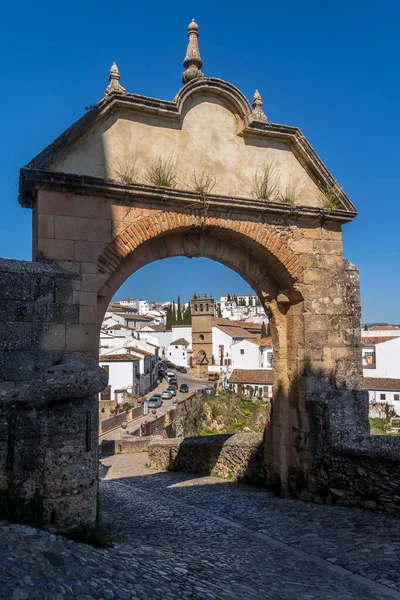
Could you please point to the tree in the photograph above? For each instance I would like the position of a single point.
(263, 330)
(179, 315)
(365, 327)
(187, 316)
(173, 314)
(219, 310)
(269, 330)
(229, 297)
(169, 318)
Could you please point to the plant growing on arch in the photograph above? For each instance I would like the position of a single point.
(264, 184)
(162, 172)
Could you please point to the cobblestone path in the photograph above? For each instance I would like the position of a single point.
(183, 536)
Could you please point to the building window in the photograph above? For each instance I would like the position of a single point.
(369, 358)
(170, 353)
(201, 336)
(383, 396)
(241, 351)
(176, 347)
(396, 397)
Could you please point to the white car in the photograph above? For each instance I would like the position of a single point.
(166, 395)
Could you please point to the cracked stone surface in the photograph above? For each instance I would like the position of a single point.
(184, 536)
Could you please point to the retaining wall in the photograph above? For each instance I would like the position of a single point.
(239, 457)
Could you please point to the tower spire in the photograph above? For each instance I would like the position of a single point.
(114, 85)
(192, 62)
(258, 113)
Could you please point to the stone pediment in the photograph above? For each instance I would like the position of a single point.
(208, 130)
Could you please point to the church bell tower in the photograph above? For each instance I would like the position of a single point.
(202, 311)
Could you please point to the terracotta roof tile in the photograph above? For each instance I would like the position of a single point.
(378, 383)
(261, 341)
(139, 351)
(383, 328)
(117, 358)
(236, 332)
(372, 341)
(180, 342)
(256, 376)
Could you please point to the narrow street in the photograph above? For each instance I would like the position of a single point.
(193, 384)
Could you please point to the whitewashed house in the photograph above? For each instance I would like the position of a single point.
(381, 357)
(383, 391)
(257, 383)
(123, 374)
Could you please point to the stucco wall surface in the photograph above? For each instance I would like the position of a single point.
(206, 141)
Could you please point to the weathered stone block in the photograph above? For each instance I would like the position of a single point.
(80, 337)
(87, 251)
(15, 286)
(25, 365)
(15, 336)
(56, 249)
(76, 228)
(45, 226)
(49, 336)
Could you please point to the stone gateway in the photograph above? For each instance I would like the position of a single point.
(137, 180)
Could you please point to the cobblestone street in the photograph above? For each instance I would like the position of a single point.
(183, 536)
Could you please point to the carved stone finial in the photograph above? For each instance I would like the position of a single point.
(114, 85)
(258, 113)
(192, 62)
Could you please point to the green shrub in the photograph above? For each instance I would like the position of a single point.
(19, 510)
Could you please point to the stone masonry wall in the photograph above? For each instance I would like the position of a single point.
(239, 457)
(48, 403)
(48, 442)
(36, 310)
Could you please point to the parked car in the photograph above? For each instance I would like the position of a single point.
(166, 395)
(154, 402)
(181, 369)
(170, 377)
(184, 388)
(171, 388)
(209, 390)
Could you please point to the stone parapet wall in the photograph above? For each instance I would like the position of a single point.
(48, 443)
(351, 467)
(126, 445)
(112, 422)
(239, 457)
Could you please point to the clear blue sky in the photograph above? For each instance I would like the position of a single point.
(331, 68)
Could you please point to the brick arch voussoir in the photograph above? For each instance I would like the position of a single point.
(286, 262)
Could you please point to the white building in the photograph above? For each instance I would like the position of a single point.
(381, 357)
(383, 391)
(133, 302)
(381, 331)
(257, 383)
(123, 374)
(179, 352)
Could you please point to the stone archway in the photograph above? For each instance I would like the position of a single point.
(97, 219)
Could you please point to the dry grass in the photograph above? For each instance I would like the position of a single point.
(290, 193)
(127, 170)
(162, 172)
(330, 198)
(202, 183)
(264, 185)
